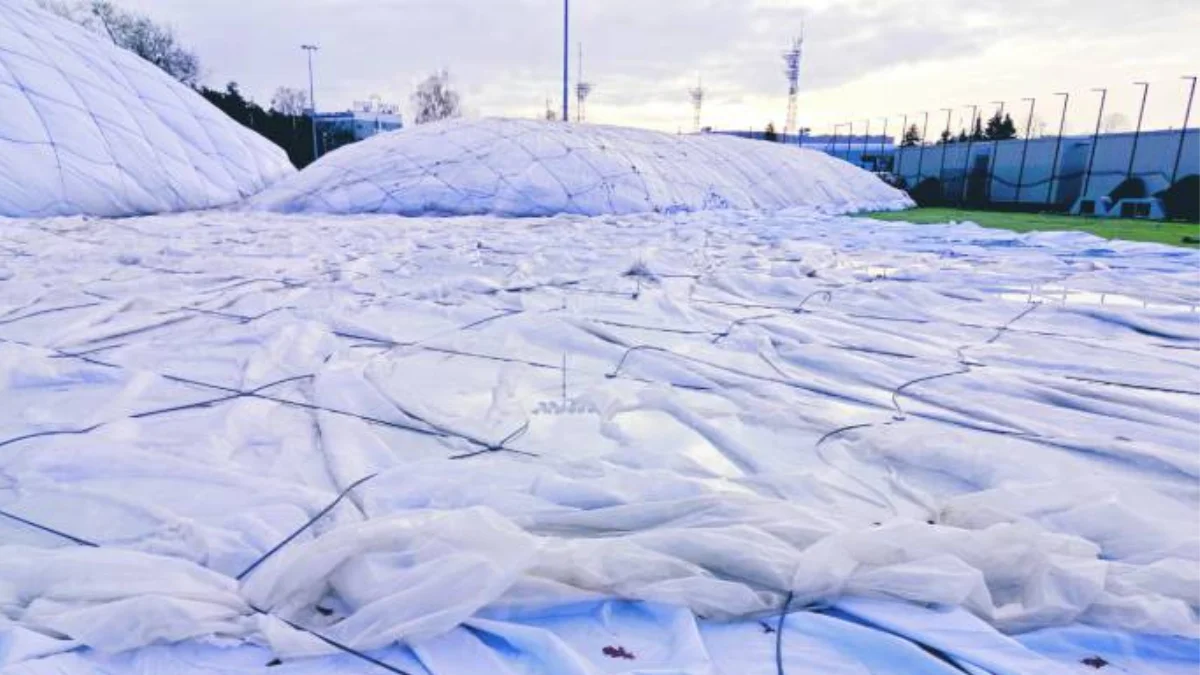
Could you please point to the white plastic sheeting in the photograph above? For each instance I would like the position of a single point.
(88, 128)
(531, 168)
(714, 416)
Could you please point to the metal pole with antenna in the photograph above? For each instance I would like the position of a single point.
(1138, 134)
(1062, 125)
(1025, 150)
(312, 100)
(1187, 117)
(1087, 179)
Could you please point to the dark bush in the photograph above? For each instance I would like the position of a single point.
(1130, 188)
(1182, 200)
(928, 192)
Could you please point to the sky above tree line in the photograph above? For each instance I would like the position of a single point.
(863, 58)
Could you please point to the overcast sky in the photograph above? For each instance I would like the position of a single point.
(863, 58)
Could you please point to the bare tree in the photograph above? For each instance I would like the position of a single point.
(290, 101)
(434, 99)
(1116, 122)
(134, 32)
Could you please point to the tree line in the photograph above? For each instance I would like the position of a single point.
(285, 122)
(998, 128)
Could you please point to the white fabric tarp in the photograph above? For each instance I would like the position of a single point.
(713, 416)
(530, 168)
(89, 128)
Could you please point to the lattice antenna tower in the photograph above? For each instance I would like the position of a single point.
(697, 95)
(582, 91)
(792, 59)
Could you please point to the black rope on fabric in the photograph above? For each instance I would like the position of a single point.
(49, 530)
(300, 530)
(787, 605)
(335, 644)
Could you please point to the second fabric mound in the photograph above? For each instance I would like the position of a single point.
(524, 168)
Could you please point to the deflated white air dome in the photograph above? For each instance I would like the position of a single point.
(533, 168)
(89, 128)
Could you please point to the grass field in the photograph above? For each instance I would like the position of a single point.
(1177, 234)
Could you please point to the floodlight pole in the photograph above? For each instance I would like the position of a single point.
(883, 141)
(312, 100)
(1062, 125)
(566, 83)
(900, 150)
(1187, 117)
(1087, 180)
(1025, 150)
(1138, 134)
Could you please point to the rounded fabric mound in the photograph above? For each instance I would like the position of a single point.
(89, 128)
(533, 168)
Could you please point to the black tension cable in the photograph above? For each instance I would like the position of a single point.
(300, 530)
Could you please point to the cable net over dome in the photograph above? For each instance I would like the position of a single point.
(535, 168)
(89, 128)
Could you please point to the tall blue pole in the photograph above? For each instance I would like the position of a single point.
(566, 60)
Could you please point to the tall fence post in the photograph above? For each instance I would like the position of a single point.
(1058, 147)
(1025, 150)
(1187, 118)
(1087, 178)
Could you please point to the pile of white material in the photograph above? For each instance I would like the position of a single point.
(88, 128)
(713, 412)
(529, 168)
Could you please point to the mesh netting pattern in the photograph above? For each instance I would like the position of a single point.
(534, 168)
(88, 128)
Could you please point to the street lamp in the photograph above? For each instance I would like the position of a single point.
(1025, 150)
(1062, 125)
(1087, 180)
(1187, 117)
(921, 155)
(566, 107)
(1138, 134)
(312, 100)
